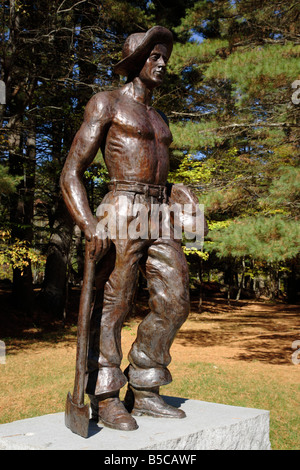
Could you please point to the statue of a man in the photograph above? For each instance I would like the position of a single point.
(134, 139)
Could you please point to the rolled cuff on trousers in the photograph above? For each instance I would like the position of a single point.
(111, 379)
(105, 380)
(148, 378)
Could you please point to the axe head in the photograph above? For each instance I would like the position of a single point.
(77, 417)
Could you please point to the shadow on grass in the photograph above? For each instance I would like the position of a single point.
(264, 332)
(21, 331)
(261, 331)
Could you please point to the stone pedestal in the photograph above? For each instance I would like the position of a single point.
(207, 426)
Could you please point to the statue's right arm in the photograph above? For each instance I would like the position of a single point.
(87, 141)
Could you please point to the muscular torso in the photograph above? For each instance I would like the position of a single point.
(137, 143)
(134, 140)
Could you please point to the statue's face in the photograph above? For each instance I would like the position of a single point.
(153, 72)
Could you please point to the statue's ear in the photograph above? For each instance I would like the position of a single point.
(163, 116)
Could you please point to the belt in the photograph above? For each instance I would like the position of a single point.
(154, 190)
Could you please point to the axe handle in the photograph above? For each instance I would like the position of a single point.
(83, 327)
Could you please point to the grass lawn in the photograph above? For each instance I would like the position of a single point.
(237, 355)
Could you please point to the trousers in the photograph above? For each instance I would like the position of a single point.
(165, 268)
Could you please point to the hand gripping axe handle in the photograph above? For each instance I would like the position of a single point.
(77, 413)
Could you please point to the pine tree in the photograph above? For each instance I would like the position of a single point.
(236, 134)
(54, 56)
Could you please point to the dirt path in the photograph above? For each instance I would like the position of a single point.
(245, 332)
(258, 333)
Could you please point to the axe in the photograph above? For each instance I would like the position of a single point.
(77, 414)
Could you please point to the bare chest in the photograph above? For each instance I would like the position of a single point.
(142, 122)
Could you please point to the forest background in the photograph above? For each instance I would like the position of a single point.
(232, 97)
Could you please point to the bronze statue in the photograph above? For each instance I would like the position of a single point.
(134, 140)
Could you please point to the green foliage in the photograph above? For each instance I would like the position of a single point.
(8, 183)
(284, 191)
(17, 254)
(259, 70)
(270, 239)
(195, 252)
(195, 135)
(227, 96)
(192, 170)
(238, 115)
(190, 53)
(270, 233)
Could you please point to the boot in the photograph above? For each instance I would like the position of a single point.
(110, 411)
(148, 402)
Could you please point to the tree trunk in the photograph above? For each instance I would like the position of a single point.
(23, 285)
(54, 290)
(241, 280)
(292, 282)
(200, 270)
(21, 209)
(274, 283)
(229, 279)
(22, 155)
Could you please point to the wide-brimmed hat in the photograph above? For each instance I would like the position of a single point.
(138, 46)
